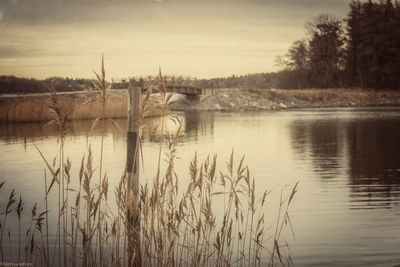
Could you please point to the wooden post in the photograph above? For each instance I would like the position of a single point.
(132, 174)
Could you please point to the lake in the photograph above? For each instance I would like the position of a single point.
(347, 162)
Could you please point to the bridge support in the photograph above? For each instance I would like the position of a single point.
(193, 99)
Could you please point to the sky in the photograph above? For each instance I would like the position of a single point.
(197, 38)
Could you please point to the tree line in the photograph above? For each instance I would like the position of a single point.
(13, 85)
(16, 85)
(363, 50)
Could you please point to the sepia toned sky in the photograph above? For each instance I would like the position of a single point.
(200, 38)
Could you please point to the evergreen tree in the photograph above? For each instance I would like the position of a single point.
(353, 64)
(373, 58)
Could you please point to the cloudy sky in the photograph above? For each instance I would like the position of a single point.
(201, 38)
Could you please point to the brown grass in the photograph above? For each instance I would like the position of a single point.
(333, 96)
(34, 108)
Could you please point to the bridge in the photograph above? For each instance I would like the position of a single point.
(190, 87)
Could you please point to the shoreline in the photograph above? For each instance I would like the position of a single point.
(234, 100)
(33, 107)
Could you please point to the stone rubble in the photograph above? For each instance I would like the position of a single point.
(276, 99)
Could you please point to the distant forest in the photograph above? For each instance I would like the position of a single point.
(362, 51)
(13, 85)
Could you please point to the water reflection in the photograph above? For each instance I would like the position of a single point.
(374, 160)
(364, 152)
(198, 123)
(195, 125)
(323, 142)
(14, 132)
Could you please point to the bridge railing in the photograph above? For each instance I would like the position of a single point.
(169, 80)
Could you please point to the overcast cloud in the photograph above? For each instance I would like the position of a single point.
(42, 38)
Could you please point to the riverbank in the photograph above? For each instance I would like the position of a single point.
(34, 107)
(276, 99)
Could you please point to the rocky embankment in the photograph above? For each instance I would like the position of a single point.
(274, 99)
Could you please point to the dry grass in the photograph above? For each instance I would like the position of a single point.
(333, 96)
(34, 108)
(179, 225)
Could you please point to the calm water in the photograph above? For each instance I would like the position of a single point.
(346, 212)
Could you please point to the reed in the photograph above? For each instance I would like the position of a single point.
(7, 211)
(18, 210)
(103, 87)
(216, 218)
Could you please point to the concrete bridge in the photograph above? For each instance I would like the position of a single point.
(192, 88)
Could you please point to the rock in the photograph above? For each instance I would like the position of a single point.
(281, 105)
(217, 107)
(232, 105)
